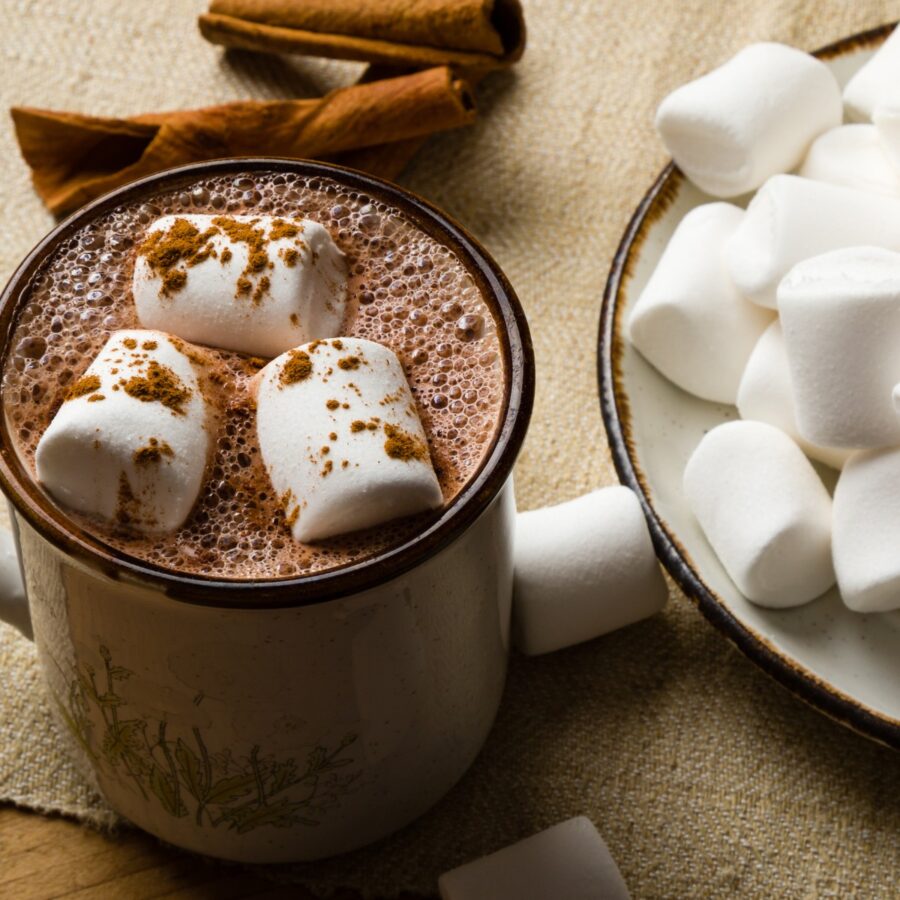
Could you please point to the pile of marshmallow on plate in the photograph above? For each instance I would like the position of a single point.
(338, 428)
(789, 309)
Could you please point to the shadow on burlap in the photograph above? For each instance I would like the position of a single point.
(705, 778)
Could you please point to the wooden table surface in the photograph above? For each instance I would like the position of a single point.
(43, 857)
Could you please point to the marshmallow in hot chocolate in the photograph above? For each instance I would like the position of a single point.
(341, 438)
(256, 284)
(130, 442)
(751, 118)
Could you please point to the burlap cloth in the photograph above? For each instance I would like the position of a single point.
(705, 777)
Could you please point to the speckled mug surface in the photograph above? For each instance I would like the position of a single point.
(844, 663)
(290, 719)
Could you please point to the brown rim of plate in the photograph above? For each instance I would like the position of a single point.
(616, 414)
(52, 524)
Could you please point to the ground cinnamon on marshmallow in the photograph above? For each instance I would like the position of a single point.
(344, 459)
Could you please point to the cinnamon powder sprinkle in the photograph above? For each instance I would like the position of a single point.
(348, 363)
(226, 255)
(262, 287)
(95, 398)
(152, 453)
(257, 257)
(338, 344)
(85, 385)
(357, 425)
(127, 505)
(290, 257)
(160, 385)
(182, 243)
(130, 343)
(402, 445)
(326, 469)
(332, 404)
(149, 345)
(283, 229)
(297, 368)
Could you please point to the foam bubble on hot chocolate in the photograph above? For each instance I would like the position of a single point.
(130, 441)
(341, 438)
(256, 284)
(406, 290)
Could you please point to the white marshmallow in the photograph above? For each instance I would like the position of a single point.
(764, 511)
(867, 531)
(751, 118)
(569, 860)
(582, 569)
(792, 219)
(875, 83)
(117, 451)
(375, 468)
(841, 318)
(690, 322)
(767, 395)
(299, 295)
(854, 156)
(887, 125)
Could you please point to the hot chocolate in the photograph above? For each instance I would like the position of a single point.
(406, 290)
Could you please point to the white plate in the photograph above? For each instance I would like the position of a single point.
(845, 664)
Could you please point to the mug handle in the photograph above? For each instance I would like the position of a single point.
(13, 602)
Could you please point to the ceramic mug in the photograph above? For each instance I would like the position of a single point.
(278, 720)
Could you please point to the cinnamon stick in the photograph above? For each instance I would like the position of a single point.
(75, 158)
(471, 35)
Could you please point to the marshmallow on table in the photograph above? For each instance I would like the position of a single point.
(841, 318)
(791, 219)
(341, 438)
(690, 322)
(753, 117)
(569, 860)
(767, 395)
(764, 511)
(582, 569)
(130, 442)
(867, 531)
(854, 156)
(255, 284)
(877, 82)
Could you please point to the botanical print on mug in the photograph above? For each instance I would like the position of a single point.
(215, 786)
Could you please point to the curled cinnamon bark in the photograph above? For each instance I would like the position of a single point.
(75, 158)
(471, 35)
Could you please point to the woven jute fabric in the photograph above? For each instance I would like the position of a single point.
(705, 778)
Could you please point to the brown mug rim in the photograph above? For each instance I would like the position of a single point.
(370, 572)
